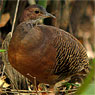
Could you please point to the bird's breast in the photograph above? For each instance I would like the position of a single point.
(34, 54)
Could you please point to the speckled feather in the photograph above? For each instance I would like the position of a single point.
(71, 56)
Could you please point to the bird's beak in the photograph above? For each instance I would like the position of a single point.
(49, 15)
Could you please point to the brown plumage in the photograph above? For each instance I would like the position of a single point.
(45, 52)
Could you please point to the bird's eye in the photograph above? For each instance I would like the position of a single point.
(36, 12)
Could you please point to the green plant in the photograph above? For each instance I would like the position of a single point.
(42, 3)
(2, 50)
(89, 84)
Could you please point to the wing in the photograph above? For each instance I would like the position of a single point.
(71, 56)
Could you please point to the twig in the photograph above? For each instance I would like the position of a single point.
(14, 85)
(71, 93)
(32, 91)
(15, 17)
(34, 82)
(3, 71)
(23, 91)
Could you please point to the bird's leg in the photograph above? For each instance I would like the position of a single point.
(35, 83)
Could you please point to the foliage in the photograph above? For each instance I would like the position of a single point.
(2, 50)
(88, 87)
(42, 3)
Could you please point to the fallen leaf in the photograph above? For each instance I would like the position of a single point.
(4, 19)
(3, 83)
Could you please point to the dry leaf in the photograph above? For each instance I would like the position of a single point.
(4, 19)
(3, 83)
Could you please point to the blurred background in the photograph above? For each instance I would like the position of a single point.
(74, 16)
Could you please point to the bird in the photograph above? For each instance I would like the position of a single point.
(45, 52)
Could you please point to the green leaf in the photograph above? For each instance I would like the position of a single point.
(42, 3)
(2, 50)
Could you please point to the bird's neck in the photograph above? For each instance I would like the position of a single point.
(30, 23)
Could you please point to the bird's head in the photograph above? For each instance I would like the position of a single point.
(34, 12)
